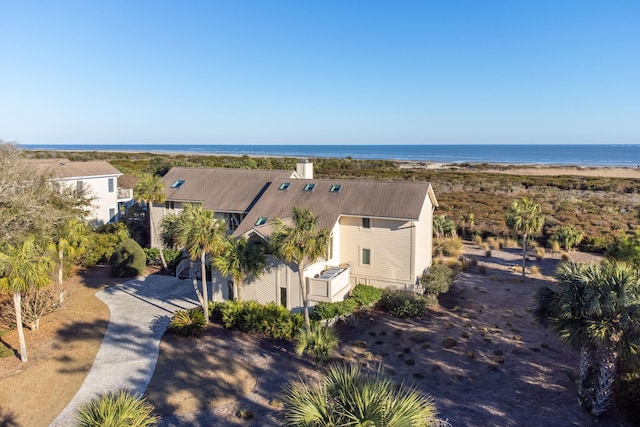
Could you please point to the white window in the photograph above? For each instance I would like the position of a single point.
(112, 214)
(80, 186)
(366, 256)
(111, 185)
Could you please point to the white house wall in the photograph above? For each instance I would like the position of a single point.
(97, 188)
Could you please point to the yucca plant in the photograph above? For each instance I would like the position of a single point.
(347, 396)
(117, 409)
(319, 341)
(188, 322)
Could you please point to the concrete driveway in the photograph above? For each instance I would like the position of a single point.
(140, 311)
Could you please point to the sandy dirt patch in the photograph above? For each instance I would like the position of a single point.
(60, 354)
(480, 356)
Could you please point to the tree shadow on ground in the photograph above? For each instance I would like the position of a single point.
(480, 355)
(207, 380)
(8, 419)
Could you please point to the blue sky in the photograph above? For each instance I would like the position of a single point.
(320, 72)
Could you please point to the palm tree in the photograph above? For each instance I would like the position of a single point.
(241, 258)
(525, 217)
(201, 234)
(72, 239)
(319, 342)
(301, 243)
(149, 190)
(568, 236)
(596, 309)
(442, 227)
(21, 268)
(348, 397)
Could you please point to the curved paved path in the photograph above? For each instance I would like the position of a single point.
(140, 311)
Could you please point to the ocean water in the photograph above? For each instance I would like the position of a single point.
(563, 154)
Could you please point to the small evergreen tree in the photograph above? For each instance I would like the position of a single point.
(128, 260)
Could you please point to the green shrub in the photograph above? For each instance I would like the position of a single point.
(329, 310)
(118, 409)
(404, 304)
(215, 311)
(365, 295)
(128, 260)
(153, 255)
(188, 322)
(438, 279)
(5, 351)
(101, 245)
(320, 341)
(451, 246)
(272, 320)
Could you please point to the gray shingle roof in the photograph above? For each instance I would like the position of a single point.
(219, 189)
(381, 199)
(63, 168)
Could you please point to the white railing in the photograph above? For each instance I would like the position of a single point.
(184, 264)
(125, 193)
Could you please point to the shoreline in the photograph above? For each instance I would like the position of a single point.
(536, 169)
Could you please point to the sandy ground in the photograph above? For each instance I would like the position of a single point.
(479, 355)
(60, 354)
(541, 170)
(502, 369)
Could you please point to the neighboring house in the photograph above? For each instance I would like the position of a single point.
(381, 233)
(97, 179)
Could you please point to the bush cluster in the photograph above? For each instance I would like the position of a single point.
(406, 304)
(102, 243)
(366, 295)
(271, 319)
(153, 255)
(329, 310)
(450, 246)
(438, 279)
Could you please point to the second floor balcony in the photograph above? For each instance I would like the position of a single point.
(125, 194)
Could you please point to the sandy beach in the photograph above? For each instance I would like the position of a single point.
(530, 170)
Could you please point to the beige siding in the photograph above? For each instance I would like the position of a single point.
(391, 251)
(160, 210)
(424, 238)
(266, 287)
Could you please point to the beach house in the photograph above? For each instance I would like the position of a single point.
(381, 232)
(96, 179)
